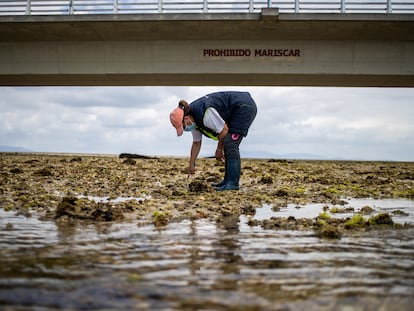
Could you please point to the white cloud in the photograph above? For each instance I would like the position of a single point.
(366, 123)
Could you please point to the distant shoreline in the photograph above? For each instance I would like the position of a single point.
(110, 155)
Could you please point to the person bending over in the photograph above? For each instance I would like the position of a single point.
(222, 116)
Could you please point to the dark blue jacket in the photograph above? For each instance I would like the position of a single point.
(237, 109)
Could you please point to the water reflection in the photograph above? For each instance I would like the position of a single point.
(227, 253)
(200, 265)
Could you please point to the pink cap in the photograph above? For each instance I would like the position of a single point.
(176, 118)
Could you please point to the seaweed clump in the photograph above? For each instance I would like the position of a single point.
(381, 219)
(43, 172)
(160, 219)
(74, 208)
(358, 221)
(329, 232)
(199, 185)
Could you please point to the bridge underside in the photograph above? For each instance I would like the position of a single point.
(207, 80)
(264, 49)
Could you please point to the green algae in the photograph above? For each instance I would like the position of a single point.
(160, 218)
(39, 182)
(329, 232)
(381, 219)
(357, 221)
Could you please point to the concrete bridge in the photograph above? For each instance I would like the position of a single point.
(261, 46)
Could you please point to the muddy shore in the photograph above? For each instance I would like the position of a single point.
(156, 190)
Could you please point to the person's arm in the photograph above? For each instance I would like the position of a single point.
(195, 150)
(215, 122)
(220, 145)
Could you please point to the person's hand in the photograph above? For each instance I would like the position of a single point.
(191, 170)
(219, 154)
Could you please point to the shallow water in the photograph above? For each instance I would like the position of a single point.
(200, 265)
(395, 207)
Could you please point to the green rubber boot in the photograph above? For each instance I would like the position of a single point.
(233, 169)
(223, 182)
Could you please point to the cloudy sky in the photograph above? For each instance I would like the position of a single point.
(335, 123)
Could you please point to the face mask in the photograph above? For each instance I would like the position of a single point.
(189, 128)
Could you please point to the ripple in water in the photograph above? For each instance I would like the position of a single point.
(203, 265)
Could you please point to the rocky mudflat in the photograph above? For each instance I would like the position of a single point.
(157, 190)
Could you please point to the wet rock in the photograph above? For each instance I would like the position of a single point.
(328, 232)
(106, 213)
(366, 210)
(67, 207)
(291, 219)
(339, 202)
(75, 208)
(409, 175)
(277, 161)
(160, 219)
(16, 170)
(199, 186)
(267, 179)
(43, 172)
(338, 210)
(325, 180)
(323, 217)
(134, 156)
(253, 222)
(129, 161)
(213, 179)
(276, 208)
(226, 212)
(271, 223)
(400, 213)
(357, 221)
(283, 192)
(248, 209)
(279, 223)
(381, 219)
(32, 161)
(178, 193)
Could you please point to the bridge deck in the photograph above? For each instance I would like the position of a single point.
(220, 26)
(167, 49)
